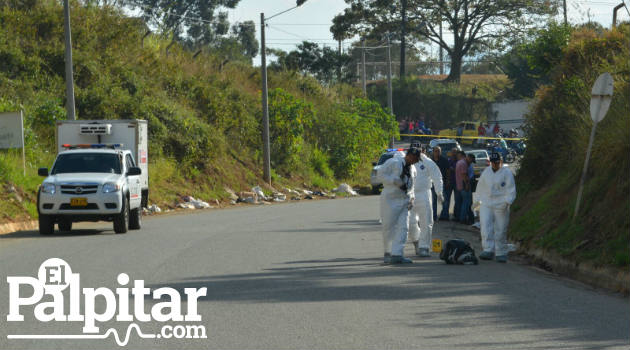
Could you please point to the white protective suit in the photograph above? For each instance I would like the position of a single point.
(495, 191)
(394, 204)
(421, 220)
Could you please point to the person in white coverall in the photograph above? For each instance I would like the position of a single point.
(421, 219)
(397, 175)
(495, 191)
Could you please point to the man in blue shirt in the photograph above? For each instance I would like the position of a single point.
(466, 214)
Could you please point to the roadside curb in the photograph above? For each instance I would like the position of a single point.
(17, 226)
(611, 279)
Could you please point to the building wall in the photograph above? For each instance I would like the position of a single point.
(509, 114)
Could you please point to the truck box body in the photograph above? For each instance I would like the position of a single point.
(132, 134)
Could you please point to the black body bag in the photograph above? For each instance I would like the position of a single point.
(458, 251)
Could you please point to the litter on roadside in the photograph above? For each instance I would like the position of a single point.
(345, 188)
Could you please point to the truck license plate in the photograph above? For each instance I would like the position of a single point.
(78, 202)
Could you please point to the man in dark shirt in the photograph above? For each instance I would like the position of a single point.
(449, 184)
(443, 164)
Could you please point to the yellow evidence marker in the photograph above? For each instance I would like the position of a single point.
(437, 245)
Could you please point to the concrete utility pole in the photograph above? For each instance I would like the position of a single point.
(441, 52)
(363, 71)
(564, 5)
(265, 105)
(69, 74)
(403, 33)
(390, 102)
(265, 96)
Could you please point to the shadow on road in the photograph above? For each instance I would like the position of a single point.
(73, 233)
(504, 301)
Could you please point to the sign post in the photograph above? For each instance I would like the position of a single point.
(12, 133)
(601, 97)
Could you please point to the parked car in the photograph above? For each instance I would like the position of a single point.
(482, 160)
(445, 144)
(375, 181)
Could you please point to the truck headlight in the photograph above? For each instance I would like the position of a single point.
(110, 187)
(49, 188)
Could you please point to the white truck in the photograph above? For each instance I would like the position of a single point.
(101, 173)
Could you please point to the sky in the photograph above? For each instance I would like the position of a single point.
(313, 19)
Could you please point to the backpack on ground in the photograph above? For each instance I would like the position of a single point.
(458, 251)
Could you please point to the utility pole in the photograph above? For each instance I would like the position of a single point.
(441, 52)
(403, 33)
(265, 104)
(564, 5)
(390, 103)
(339, 63)
(68, 56)
(363, 71)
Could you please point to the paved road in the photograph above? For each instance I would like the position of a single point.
(309, 275)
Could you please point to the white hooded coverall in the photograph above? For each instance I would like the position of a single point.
(496, 191)
(394, 204)
(421, 220)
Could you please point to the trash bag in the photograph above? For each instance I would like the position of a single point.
(347, 189)
(259, 192)
(458, 251)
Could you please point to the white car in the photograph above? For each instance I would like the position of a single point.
(375, 181)
(90, 183)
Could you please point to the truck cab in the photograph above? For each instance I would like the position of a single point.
(90, 183)
(100, 174)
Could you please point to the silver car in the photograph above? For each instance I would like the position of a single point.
(482, 160)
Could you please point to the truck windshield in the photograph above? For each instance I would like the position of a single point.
(87, 163)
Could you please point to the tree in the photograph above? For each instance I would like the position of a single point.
(530, 63)
(325, 64)
(474, 24)
(194, 23)
(373, 19)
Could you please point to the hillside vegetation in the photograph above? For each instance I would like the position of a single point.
(204, 113)
(442, 104)
(558, 130)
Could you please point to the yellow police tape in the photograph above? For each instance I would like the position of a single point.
(467, 137)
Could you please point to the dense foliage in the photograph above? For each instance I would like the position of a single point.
(558, 130)
(441, 105)
(203, 111)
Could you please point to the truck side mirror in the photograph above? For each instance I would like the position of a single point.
(134, 171)
(42, 172)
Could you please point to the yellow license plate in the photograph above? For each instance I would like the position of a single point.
(437, 245)
(78, 202)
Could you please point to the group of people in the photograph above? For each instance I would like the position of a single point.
(414, 127)
(414, 184)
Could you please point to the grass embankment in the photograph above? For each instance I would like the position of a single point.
(558, 131)
(203, 112)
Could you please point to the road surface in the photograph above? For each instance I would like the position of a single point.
(309, 275)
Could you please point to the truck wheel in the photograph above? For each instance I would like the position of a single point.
(135, 219)
(64, 225)
(46, 224)
(121, 221)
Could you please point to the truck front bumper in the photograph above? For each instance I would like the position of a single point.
(99, 204)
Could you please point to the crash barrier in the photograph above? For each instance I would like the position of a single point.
(466, 137)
